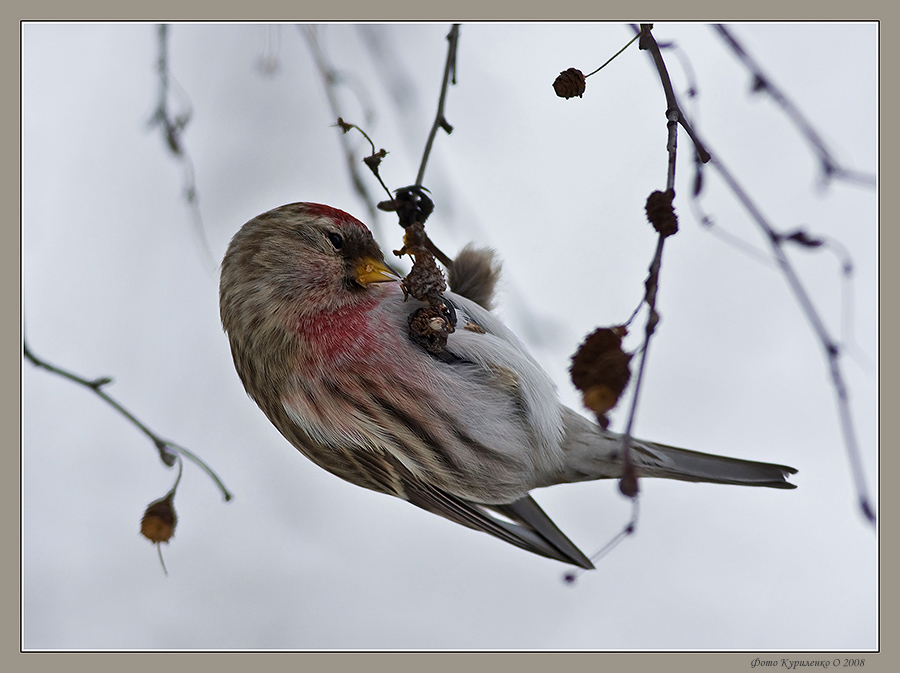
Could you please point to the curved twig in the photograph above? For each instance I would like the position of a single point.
(172, 130)
(329, 80)
(831, 168)
(169, 452)
(831, 348)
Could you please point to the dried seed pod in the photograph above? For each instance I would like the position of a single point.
(425, 280)
(569, 83)
(600, 370)
(159, 520)
(661, 213)
(431, 325)
(373, 161)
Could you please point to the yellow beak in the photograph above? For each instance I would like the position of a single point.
(370, 271)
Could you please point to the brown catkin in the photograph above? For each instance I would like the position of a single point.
(661, 213)
(569, 83)
(600, 369)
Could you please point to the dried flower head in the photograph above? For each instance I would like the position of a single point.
(661, 213)
(373, 161)
(431, 325)
(159, 520)
(600, 370)
(425, 280)
(569, 83)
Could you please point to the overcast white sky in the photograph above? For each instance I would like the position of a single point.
(116, 284)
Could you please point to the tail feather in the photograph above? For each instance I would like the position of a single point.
(659, 460)
(548, 540)
(594, 453)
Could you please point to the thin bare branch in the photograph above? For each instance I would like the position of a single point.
(628, 529)
(172, 130)
(831, 167)
(831, 348)
(651, 287)
(169, 452)
(613, 57)
(373, 161)
(440, 122)
(776, 242)
(673, 116)
(650, 44)
(330, 79)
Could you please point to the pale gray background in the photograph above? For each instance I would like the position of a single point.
(115, 283)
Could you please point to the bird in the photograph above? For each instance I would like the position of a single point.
(318, 327)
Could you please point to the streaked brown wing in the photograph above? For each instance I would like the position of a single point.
(528, 527)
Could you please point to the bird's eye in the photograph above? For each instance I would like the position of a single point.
(336, 239)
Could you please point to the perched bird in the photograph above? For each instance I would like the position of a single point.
(319, 333)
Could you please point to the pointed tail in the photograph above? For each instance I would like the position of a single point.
(594, 453)
(659, 460)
